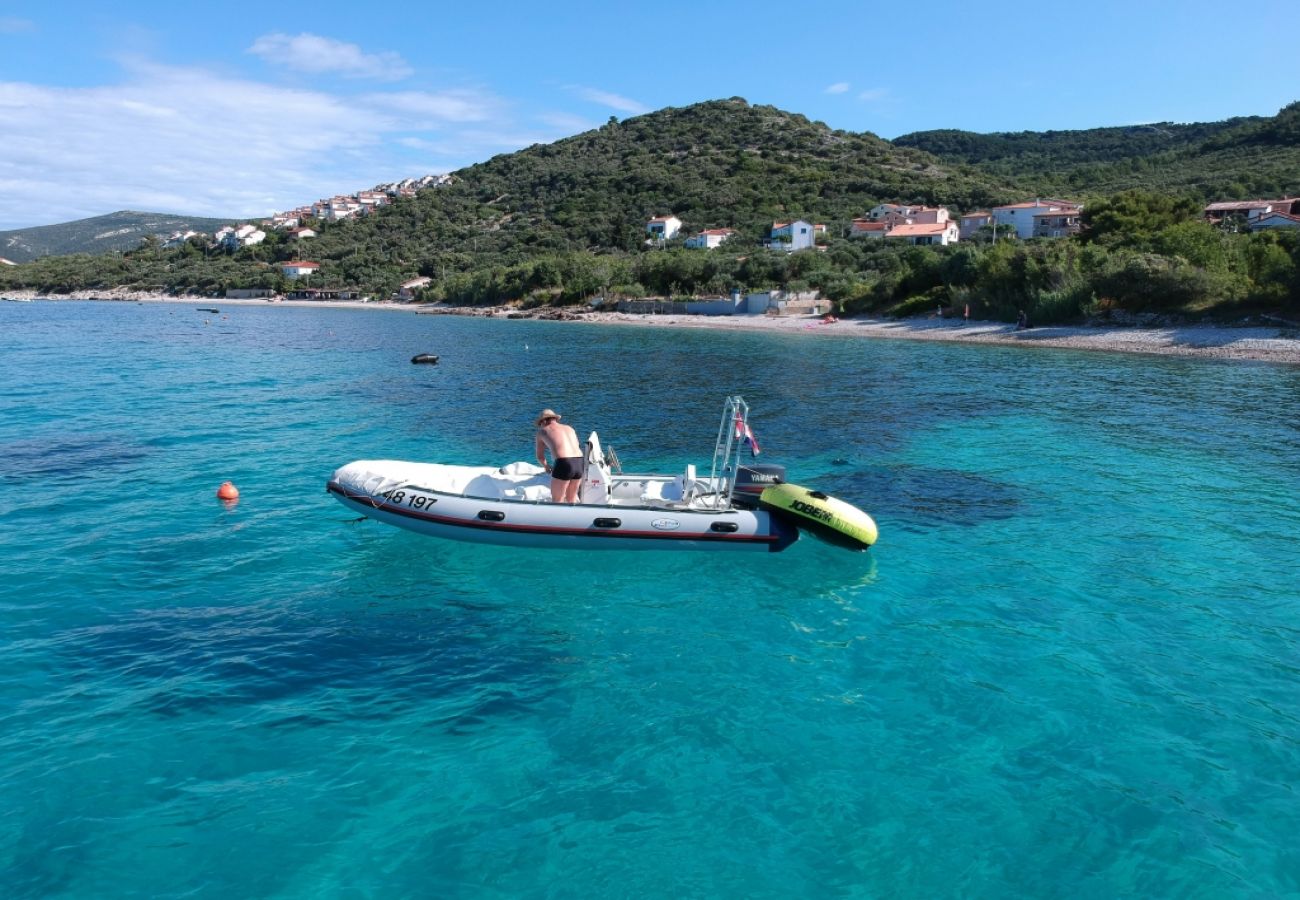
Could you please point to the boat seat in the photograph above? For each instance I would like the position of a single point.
(664, 493)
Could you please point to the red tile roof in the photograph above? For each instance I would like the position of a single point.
(919, 230)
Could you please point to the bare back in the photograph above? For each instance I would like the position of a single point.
(560, 439)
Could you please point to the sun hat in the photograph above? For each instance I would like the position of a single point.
(547, 414)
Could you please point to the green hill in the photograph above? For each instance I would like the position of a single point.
(565, 222)
(102, 234)
(1234, 159)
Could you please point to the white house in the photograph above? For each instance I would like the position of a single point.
(1273, 220)
(244, 236)
(299, 234)
(663, 228)
(298, 269)
(792, 236)
(709, 238)
(7, 262)
(1021, 215)
(177, 238)
(408, 288)
(922, 233)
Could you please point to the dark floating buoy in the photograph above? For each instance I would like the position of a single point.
(426, 359)
(207, 309)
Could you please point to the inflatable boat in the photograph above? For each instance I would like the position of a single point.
(734, 507)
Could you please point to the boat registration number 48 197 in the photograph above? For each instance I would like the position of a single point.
(665, 524)
(412, 499)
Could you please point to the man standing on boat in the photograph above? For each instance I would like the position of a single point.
(562, 442)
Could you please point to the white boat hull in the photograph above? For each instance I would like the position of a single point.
(441, 501)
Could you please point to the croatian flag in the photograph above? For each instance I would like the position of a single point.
(744, 433)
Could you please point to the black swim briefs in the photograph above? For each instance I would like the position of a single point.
(567, 468)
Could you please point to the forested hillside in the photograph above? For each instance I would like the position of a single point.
(101, 234)
(565, 222)
(1234, 159)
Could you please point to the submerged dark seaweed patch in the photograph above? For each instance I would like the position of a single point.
(192, 661)
(924, 496)
(69, 457)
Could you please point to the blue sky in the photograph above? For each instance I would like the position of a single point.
(242, 109)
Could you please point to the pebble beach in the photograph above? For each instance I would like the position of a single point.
(1272, 344)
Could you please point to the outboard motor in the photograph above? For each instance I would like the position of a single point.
(752, 479)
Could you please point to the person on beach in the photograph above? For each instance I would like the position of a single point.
(965, 315)
(1022, 321)
(562, 442)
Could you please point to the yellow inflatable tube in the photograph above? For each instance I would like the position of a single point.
(825, 516)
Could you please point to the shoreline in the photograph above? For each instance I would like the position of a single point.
(1278, 345)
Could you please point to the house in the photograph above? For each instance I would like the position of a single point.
(1060, 223)
(1021, 215)
(972, 222)
(792, 236)
(300, 234)
(407, 289)
(7, 262)
(1270, 221)
(233, 238)
(867, 228)
(926, 233)
(298, 269)
(709, 238)
(1250, 210)
(663, 228)
(177, 238)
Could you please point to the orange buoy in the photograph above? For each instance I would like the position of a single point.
(228, 491)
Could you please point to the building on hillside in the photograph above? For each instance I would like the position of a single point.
(890, 213)
(7, 262)
(972, 222)
(177, 238)
(1021, 215)
(1250, 210)
(867, 228)
(232, 238)
(301, 234)
(792, 236)
(408, 289)
(709, 238)
(1061, 223)
(663, 228)
(1272, 220)
(926, 233)
(298, 268)
(336, 209)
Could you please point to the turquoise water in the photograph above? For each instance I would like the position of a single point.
(1070, 668)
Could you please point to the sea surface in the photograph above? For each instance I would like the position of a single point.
(1069, 668)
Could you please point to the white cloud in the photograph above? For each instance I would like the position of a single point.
(14, 25)
(567, 123)
(186, 140)
(446, 106)
(839, 87)
(874, 94)
(613, 101)
(318, 55)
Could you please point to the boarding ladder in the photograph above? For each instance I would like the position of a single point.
(726, 453)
